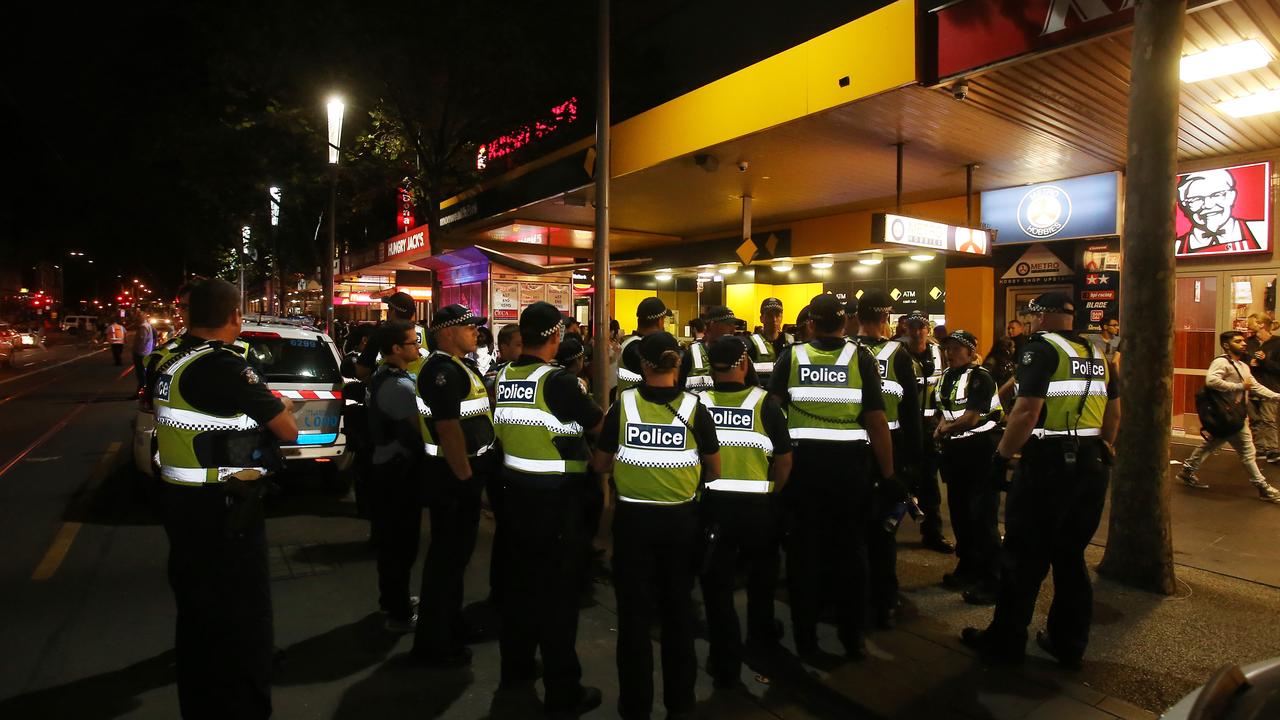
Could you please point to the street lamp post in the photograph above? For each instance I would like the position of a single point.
(335, 108)
(276, 197)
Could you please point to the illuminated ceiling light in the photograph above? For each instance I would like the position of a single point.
(1225, 60)
(822, 263)
(704, 276)
(1249, 105)
(871, 258)
(718, 278)
(662, 277)
(782, 265)
(728, 269)
(922, 257)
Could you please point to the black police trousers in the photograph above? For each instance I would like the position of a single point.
(747, 528)
(974, 505)
(453, 507)
(928, 493)
(1052, 512)
(829, 504)
(543, 570)
(656, 553)
(882, 556)
(395, 495)
(221, 586)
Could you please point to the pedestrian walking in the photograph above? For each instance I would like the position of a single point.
(770, 341)
(457, 430)
(902, 411)
(541, 416)
(142, 341)
(661, 445)
(115, 336)
(394, 490)
(1265, 365)
(836, 419)
(1064, 423)
(1229, 374)
(929, 368)
(969, 406)
(216, 422)
(740, 511)
(651, 313)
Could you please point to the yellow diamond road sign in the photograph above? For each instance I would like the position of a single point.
(935, 293)
(747, 251)
(895, 293)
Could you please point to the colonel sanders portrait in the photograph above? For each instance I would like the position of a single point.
(1207, 200)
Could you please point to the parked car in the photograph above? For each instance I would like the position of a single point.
(299, 362)
(76, 324)
(1234, 692)
(9, 344)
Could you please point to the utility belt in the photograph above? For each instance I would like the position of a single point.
(1067, 448)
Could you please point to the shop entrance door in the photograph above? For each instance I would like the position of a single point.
(1017, 297)
(1195, 344)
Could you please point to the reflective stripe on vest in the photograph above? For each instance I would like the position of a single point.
(1077, 369)
(820, 394)
(959, 396)
(745, 448)
(931, 381)
(838, 408)
(474, 407)
(646, 472)
(527, 427)
(763, 487)
(765, 356)
(700, 374)
(626, 378)
(199, 476)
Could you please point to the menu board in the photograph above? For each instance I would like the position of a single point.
(506, 300)
(560, 295)
(531, 293)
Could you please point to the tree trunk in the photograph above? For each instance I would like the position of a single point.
(1140, 542)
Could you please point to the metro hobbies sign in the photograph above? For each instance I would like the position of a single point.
(1068, 209)
(655, 437)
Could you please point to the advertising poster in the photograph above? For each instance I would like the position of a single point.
(531, 293)
(506, 301)
(1224, 211)
(560, 295)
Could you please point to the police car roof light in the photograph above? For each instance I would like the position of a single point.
(258, 334)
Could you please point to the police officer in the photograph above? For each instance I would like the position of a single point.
(902, 412)
(650, 314)
(929, 368)
(969, 411)
(1064, 422)
(740, 509)
(400, 306)
(394, 487)
(831, 389)
(211, 408)
(661, 445)
(695, 368)
(541, 415)
(770, 341)
(457, 431)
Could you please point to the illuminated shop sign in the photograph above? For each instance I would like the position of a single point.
(1060, 210)
(559, 117)
(940, 237)
(415, 239)
(1224, 211)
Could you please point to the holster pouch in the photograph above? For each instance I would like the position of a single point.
(252, 448)
(244, 506)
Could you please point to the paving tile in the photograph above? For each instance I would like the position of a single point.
(1064, 708)
(1122, 709)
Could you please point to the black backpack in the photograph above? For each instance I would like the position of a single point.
(1221, 415)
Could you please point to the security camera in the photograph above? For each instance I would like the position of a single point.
(742, 166)
(960, 90)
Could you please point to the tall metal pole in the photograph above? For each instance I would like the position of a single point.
(1140, 539)
(600, 361)
(326, 270)
(898, 207)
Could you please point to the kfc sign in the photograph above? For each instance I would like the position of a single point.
(1225, 211)
(415, 239)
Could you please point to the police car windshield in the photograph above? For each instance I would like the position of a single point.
(293, 360)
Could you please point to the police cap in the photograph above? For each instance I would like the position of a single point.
(877, 300)
(451, 315)
(725, 351)
(570, 349)
(1052, 302)
(915, 317)
(770, 305)
(720, 313)
(541, 319)
(826, 308)
(653, 345)
(652, 308)
(401, 302)
(965, 338)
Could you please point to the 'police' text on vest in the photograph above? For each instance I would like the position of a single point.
(518, 391)
(663, 437)
(824, 375)
(734, 418)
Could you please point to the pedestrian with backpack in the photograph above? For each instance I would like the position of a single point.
(1228, 384)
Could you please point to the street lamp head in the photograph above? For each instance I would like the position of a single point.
(336, 109)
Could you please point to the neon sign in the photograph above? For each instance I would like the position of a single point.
(566, 113)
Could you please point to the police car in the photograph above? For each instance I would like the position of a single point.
(299, 362)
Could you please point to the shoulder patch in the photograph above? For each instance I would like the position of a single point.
(441, 380)
(1028, 357)
(250, 376)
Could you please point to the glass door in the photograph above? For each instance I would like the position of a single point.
(1195, 344)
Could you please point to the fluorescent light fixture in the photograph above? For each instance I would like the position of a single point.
(1225, 60)
(728, 269)
(718, 278)
(782, 265)
(1249, 105)
(662, 277)
(922, 257)
(822, 263)
(335, 108)
(704, 276)
(871, 258)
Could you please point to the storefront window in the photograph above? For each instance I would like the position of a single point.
(1252, 295)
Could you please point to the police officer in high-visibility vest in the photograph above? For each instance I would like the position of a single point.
(769, 343)
(541, 416)
(929, 368)
(1064, 422)
(651, 313)
(835, 412)
(661, 445)
(902, 411)
(695, 368)
(457, 431)
(740, 510)
(969, 412)
(211, 408)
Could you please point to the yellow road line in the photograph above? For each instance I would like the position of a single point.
(67, 531)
